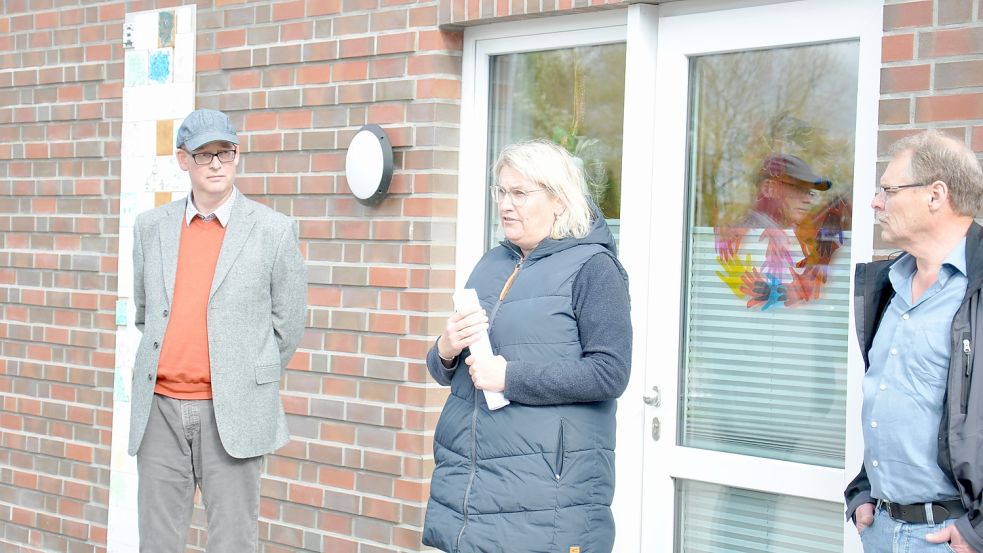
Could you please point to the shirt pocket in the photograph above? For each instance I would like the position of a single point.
(929, 350)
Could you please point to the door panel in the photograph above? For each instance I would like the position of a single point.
(761, 166)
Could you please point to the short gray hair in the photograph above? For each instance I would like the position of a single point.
(552, 167)
(936, 157)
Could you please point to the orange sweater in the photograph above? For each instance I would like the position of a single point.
(184, 370)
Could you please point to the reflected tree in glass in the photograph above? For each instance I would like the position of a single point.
(573, 96)
(768, 255)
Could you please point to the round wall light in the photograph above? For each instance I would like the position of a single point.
(369, 164)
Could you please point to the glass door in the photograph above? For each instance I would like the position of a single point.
(749, 424)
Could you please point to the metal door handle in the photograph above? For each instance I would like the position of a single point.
(656, 429)
(654, 399)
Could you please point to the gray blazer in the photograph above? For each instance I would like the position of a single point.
(256, 315)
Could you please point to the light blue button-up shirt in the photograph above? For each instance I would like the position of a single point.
(905, 385)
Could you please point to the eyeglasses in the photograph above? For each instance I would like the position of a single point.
(205, 158)
(888, 190)
(519, 197)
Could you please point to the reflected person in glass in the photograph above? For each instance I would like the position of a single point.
(918, 323)
(795, 267)
(538, 474)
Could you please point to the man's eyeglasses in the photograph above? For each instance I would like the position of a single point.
(519, 197)
(205, 158)
(888, 190)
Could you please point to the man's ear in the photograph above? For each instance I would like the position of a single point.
(183, 159)
(939, 195)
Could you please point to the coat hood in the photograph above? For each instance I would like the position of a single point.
(599, 234)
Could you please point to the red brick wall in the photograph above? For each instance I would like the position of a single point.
(298, 78)
(932, 74)
(455, 13)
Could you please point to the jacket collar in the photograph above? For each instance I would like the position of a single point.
(873, 291)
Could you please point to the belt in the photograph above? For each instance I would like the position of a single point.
(923, 513)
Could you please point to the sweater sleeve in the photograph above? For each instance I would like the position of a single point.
(441, 374)
(601, 305)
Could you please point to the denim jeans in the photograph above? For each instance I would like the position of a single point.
(887, 535)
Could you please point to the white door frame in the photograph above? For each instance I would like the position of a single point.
(634, 25)
(652, 247)
(682, 36)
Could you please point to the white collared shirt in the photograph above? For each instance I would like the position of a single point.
(223, 212)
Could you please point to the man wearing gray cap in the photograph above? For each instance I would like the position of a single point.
(220, 292)
(800, 239)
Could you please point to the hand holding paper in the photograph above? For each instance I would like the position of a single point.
(482, 358)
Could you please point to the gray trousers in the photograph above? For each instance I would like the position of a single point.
(181, 450)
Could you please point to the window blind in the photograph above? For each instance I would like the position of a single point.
(768, 383)
(719, 519)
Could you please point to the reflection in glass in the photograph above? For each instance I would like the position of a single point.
(572, 96)
(770, 180)
(718, 519)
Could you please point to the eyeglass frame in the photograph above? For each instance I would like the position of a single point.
(211, 156)
(891, 190)
(498, 194)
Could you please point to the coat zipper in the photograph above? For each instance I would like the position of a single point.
(560, 450)
(967, 353)
(474, 408)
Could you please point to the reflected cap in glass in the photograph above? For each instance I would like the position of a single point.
(202, 126)
(793, 170)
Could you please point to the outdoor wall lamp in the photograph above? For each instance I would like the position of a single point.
(369, 164)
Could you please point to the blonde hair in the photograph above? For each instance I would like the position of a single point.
(552, 167)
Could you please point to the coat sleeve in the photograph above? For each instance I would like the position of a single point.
(857, 492)
(603, 311)
(970, 527)
(288, 292)
(441, 374)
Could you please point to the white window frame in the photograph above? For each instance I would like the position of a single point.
(634, 26)
(645, 242)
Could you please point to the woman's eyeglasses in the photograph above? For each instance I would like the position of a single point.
(518, 197)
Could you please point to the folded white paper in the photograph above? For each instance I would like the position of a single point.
(466, 300)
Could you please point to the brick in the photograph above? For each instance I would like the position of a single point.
(959, 74)
(323, 7)
(294, 119)
(955, 11)
(289, 10)
(949, 108)
(230, 39)
(350, 25)
(907, 78)
(955, 42)
(313, 74)
(356, 47)
(349, 71)
(897, 47)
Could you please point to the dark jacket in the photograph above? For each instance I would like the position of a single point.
(961, 428)
(537, 475)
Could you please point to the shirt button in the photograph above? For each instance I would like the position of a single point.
(883, 386)
(873, 424)
(894, 351)
(156, 345)
(905, 317)
(150, 377)
(874, 463)
(165, 312)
